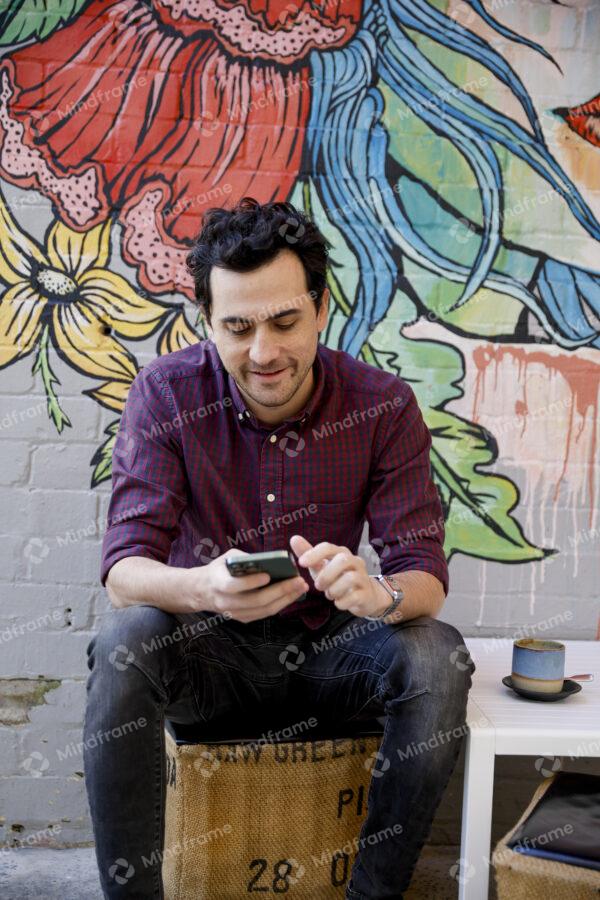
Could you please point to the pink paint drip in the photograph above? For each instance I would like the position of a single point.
(581, 375)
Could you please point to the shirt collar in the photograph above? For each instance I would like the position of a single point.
(246, 416)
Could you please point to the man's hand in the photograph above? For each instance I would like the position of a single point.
(243, 598)
(342, 577)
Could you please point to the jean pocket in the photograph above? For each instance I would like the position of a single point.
(204, 698)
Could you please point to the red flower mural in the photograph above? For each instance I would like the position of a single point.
(584, 119)
(156, 111)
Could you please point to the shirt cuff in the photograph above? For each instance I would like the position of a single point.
(422, 564)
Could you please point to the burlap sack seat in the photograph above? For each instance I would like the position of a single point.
(284, 816)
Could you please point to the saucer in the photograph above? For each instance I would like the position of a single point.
(569, 687)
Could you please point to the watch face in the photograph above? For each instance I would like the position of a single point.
(397, 595)
(389, 587)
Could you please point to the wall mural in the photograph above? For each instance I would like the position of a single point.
(459, 209)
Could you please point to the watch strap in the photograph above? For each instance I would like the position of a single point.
(397, 597)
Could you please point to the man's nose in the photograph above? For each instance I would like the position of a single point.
(263, 350)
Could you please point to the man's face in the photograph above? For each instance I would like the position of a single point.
(263, 322)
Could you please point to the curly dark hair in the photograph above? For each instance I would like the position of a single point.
(250, 235)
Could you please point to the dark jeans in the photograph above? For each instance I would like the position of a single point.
(147, 664)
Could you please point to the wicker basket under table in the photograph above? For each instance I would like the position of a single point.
(520, 876)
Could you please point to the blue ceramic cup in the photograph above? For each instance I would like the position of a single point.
(538, 666)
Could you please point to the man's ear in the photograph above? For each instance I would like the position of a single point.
(323, 313)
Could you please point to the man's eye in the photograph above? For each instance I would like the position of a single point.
(240, 331)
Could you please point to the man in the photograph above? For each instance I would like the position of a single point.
(262, 438)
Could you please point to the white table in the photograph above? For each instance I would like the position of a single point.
(500, 722)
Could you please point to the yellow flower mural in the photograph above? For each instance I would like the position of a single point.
(65, 293)
(180, 334)
(177, 334)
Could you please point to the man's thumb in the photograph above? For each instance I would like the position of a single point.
(299, 544)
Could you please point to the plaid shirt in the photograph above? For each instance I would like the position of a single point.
(195, 473)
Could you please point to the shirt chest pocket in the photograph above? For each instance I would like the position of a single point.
(337, 522)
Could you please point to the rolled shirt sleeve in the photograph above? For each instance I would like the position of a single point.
(148, 477)
(404, 511)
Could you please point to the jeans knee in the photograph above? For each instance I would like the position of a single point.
(129, 634)
(431, 655)
(455, 665)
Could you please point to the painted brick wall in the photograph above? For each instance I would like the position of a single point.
(520, 379)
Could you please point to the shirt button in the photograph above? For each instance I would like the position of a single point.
(247, 413)
(270, 497)
(240, 415)
(273, 438)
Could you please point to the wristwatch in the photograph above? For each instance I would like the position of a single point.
(397, 597)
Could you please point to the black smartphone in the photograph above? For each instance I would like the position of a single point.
(276, 563)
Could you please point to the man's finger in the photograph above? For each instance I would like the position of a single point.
(299, 544)
(319, 552)
(263, 595)
(242, 583)
(334, 569)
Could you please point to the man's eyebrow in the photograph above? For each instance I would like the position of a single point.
(279, 315)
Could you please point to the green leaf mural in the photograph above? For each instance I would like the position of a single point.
(102, 458)
(49, 379)
(21, 20)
